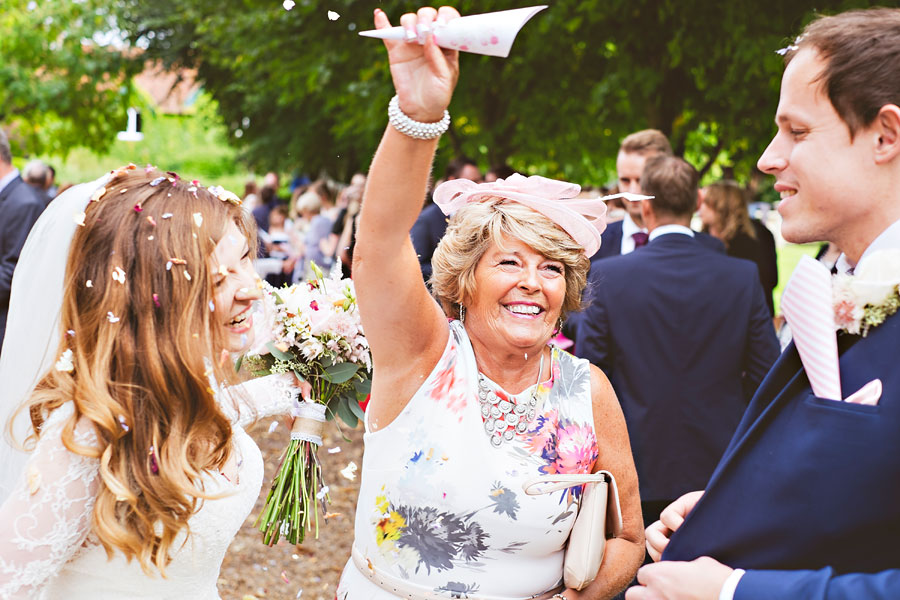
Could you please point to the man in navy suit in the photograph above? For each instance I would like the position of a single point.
(431, 224)
(20, 207)
(681, 330)
(805, 503)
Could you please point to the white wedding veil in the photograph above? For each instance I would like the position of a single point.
(32, 326)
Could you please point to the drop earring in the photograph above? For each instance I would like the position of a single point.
(462, 314)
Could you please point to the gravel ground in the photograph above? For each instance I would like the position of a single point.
(309, 571)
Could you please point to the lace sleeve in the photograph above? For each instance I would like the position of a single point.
(262, 397)
(48, 515)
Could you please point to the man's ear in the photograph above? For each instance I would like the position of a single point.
(887, 126)
(647, 213)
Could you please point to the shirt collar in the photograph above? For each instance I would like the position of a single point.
(629, 227)
(672, 228)
(5, 181)
(886, 240)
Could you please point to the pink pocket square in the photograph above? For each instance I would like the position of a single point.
(868, 394)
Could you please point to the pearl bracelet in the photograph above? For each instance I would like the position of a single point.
(415, 129)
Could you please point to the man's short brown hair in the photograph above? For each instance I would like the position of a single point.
(646, 142)
(672, 182)
(861, 49)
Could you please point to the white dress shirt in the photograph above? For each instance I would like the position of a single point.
(664, 229)
(629, 228)
(887, 240)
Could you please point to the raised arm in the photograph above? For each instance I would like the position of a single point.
(405, 327)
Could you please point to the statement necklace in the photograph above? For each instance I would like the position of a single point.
(504, 418)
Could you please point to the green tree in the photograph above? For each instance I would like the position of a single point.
(301, 90)
(59, 86)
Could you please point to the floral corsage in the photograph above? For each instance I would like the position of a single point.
(865, 299)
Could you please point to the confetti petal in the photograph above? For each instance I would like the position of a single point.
(334, 450)
(349, 472)
(187, 275)
(151, 220)
(34, 480)
(65, 363)
(157, 181)
(167, 215)
(79, 218)
(198, 219)
(119, 275)
(123, 423)
(333, 16)
(138, 208)
(111, 317)
(95, 197)
(288, 4)
(89, 283)
(273, 426)
(156, 300)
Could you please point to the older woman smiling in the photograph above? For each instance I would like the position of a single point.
(463, 413)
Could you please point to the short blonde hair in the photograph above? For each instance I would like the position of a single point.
(476, 226)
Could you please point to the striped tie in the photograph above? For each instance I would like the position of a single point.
(808, 308)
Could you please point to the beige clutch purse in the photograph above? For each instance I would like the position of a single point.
(599, 517)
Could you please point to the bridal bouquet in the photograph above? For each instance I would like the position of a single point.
(318, 337)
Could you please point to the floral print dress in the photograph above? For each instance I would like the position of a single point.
(443, 510)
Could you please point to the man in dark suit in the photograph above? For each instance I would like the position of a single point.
(678, 328)
(805, 503)
(20, 207)
(431, 224)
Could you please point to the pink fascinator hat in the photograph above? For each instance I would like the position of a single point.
(584, 219)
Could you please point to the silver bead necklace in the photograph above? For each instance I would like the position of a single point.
(503, 419)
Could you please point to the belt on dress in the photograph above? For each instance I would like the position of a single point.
(405, 589)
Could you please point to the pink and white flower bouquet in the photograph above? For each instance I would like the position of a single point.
(869, 296)
(317, 335)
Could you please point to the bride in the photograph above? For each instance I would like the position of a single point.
(140, 472)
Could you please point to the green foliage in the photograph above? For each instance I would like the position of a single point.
(194, 145)
(305, 92)
(58, 87)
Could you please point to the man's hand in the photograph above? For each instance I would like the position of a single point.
(700, 579)
(670, 519)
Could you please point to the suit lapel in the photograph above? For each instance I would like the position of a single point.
(9, 188)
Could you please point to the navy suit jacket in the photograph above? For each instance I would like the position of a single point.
(807, 496)
(426, 232)
(682, 332)
(611, 242)
(20, 207)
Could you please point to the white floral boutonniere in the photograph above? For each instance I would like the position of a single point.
(869, 296)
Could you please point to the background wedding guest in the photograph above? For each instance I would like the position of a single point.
(723, 212)
(37, 174)
(268, 198)
(431, 224)
(251, 195)
(622, 237)
(771, 523)
(436, 451)
(20, 207)
(684, 335)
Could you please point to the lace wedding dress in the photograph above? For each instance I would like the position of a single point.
(48, 549)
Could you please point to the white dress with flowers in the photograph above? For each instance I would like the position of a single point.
(48, 549)
(443, 510)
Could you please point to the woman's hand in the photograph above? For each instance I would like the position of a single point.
(424, 75)
(670, 520)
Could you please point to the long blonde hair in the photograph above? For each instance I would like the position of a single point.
(137, 308)
(726, 199)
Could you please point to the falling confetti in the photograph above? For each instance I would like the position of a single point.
(156, 300)
(65, 363)
(157, 181)
(212, 306)
(187, 275)
(334, 450)
(323, 492)
(95, 197)
(123, 423)
(349, 472)
(137, 207)
(151, 220)
(70, 332)
(284, 577)
(198, 219)
(111, 317)
(167, 215)
(119, 275)
(273, 426)
(89, 283)
(168, 265)
(333, 16)
(34, 480)
(288, 4)
(79, 218)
